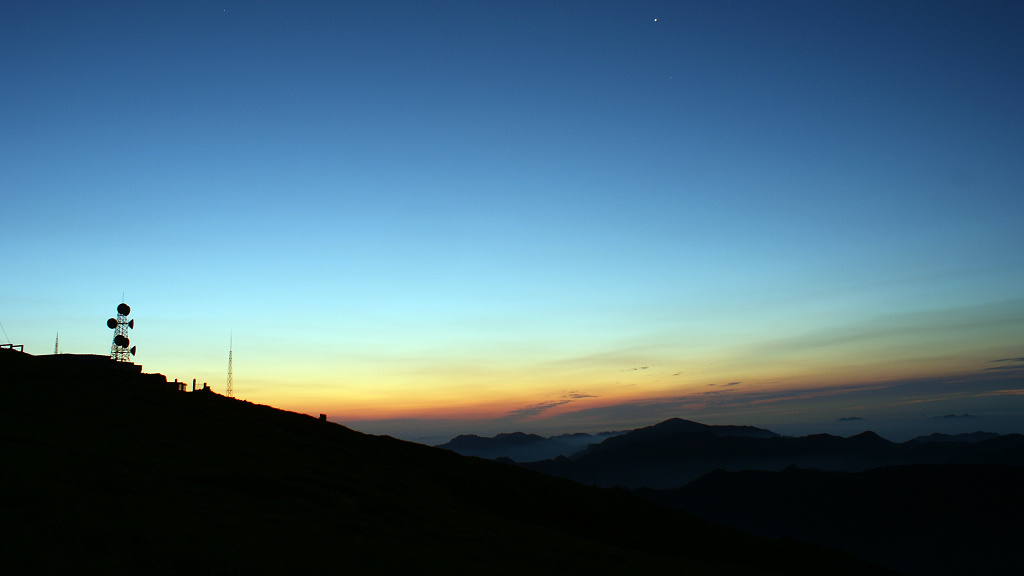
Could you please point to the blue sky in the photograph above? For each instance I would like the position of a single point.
(474, 212)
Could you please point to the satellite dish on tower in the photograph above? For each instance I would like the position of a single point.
(119, 351)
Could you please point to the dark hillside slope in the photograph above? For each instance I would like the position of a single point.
(942, 519)
(115, 474)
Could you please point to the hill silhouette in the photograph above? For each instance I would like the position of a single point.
(113, 472)
(521, 447)
(675, 452)
(965, 437)
(944, 519)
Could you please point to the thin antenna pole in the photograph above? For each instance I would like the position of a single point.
(230, 387)
(56, 344)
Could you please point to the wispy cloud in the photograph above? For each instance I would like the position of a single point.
(535, 409)
(1009, 365)
(980, 393)
(879, 334)
(749, 404)
(1012, 392)
(1003, 369)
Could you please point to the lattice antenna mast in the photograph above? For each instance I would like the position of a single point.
(56, 344)
(119, 350)
(231, 389)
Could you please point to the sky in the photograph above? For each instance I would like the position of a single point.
(433, 218)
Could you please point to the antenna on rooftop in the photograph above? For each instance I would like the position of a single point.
(230, 390)
(119, 350)
(56, 344)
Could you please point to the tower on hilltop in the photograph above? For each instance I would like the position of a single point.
(119, 350)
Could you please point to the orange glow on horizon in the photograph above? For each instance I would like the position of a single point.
(445, 405)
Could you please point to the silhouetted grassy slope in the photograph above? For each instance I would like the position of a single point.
(919, 519)
(110, 474)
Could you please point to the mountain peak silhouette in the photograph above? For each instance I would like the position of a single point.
(675, 452)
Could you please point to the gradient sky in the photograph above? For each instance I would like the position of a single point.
(429, 218)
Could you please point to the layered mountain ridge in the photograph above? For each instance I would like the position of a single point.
(675, 452)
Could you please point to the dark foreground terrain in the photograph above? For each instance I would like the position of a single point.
(934, 506)
(925, 519)
(114, 473)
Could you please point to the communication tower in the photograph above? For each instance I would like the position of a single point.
(119, 350)
(56, 344)
(230, 390)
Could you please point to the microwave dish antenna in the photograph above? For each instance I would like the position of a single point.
(119, 350)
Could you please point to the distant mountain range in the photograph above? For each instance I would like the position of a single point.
(935, 505)
(675, 452)
(520, 447)
(108, 471)
(966, 437)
